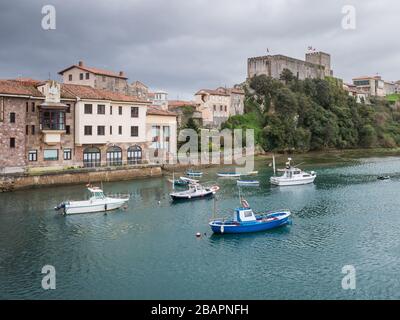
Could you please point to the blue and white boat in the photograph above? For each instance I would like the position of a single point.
(192, 173)
(182, 181)
(229, 174)
(245, 220)
(248, 183)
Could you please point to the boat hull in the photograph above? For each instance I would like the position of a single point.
(291, 182)
(191, 197)
(77, 208)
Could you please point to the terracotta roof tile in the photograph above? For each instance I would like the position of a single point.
(20, 87)
(154, 110)
(95, 71)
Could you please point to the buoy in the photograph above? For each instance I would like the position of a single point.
(198, 234)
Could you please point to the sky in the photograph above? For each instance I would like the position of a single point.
(182, 46)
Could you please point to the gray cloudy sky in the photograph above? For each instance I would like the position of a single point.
(184, 45)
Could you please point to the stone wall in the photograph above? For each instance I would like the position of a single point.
(17, 182)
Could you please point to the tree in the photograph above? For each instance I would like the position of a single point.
(286, 76)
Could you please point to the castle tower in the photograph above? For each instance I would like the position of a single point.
(321, 58)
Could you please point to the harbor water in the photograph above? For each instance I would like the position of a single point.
(150, 251)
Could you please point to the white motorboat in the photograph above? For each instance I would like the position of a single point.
(98, 202)
(292, 176)
(195, 191)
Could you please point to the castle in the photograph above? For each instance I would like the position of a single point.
(316, 65)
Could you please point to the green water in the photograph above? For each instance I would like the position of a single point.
(150, 251)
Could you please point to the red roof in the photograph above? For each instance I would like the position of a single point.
(95, 71)
(173, 104)
(22, 87)
(154, 110)
(88, 92)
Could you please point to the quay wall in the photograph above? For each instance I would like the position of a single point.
(27, 181)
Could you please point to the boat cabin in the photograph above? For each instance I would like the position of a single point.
(244, 215)
(96, 193)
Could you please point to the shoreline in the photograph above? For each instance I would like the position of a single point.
(23, 181)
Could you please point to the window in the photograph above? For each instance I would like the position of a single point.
(119, 129)
(87, 75)
(27, 107)
(114, 156)
(134, 155)
(134, 112)
(110, 109)
(33, 130)
(50, 154)
(91, 157)
(110, 130)
(67, 130)
(67, 154)
(226, 108)
(101, 109)
(220, 108)
(134, 131)
(68, 108)
(155, 137)
(70, 77)
(88, 130)
(12, 142)
(33, 107)
(215, 107)
(88, 109)
(104, 78)
(26, 129)
(81, 76)
(100, 130)
(166, 134)
(12, 117)
(120, 110)
(52, 120)
(32, 155)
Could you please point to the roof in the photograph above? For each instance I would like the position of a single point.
(156, 111)
(138, 83)
(211, 92)
(88, 92)
(22, 87)
(180, 103)
(368, 77)
(95, 71)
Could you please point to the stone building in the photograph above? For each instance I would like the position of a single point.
(316, 65)
(217, 105)
(96, 78)
(48, 125)
(356, 93)
(185, 110)
(139, 89)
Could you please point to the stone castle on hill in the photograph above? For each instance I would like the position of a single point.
(316, 65)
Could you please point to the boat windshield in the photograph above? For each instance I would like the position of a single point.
(98, 195)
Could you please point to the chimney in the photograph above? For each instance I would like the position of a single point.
(121, 73)
(80, 63)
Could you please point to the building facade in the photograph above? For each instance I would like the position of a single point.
(372, 86)
(216, 106)
(48, 125)
(81, 74)
(353, 91)
(316, 65)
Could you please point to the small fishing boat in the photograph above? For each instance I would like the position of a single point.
(383, 177)
(195, 191)
(245, 220)
(183, 181)
(192, 173)
(248, 182)
(98, 202)
(229, 174)
(292, 175)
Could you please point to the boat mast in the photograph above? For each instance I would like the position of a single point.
(273, 163)
(173, 180)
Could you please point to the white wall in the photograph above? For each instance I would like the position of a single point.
(115, 119)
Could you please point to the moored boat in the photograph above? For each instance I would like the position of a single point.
(248, 182)
(245, 220)
(98, 202)
(229, 174)
(192, 173)
(293, 176)
(195, 191)
(183, 181)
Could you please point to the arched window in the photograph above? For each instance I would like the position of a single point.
(114, 156)
(134, 155)
(91, 157)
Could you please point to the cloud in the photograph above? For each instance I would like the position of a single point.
(182, 46)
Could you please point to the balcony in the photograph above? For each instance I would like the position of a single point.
(52, 125)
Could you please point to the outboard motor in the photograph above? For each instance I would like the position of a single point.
(60, 206)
